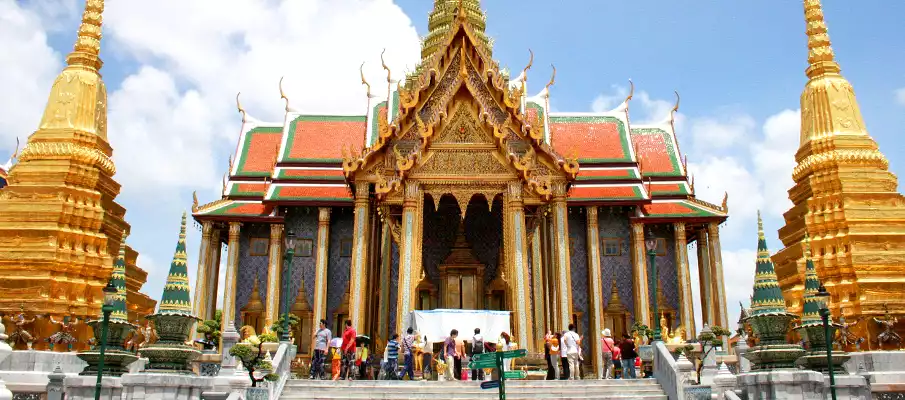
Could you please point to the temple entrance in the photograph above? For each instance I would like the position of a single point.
(461, 276)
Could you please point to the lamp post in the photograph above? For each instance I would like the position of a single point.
(823, 297)
(650, 241)
(287, 276)
(109, 297)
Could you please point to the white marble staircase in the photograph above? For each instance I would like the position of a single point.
(645, 389)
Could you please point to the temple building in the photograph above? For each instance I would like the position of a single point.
(460, 191)
(845, 199)
(60, 226)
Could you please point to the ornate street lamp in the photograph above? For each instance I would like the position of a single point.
(823, 297)
(287, 276)
(106, 309)
(651, 243)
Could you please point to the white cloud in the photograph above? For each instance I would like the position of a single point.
(900, 96)
(28, 66)
(738, 280)
(774, 159)
(643, 108)
(715, 133)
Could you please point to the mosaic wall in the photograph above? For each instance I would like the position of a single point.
(251, 267)
(339, 267)
(303, 222)
(394, 285)
(578, 253)
(614, 224)
(666, 271)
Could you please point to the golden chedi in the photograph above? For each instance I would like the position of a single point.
(844, 198)
(60, 227)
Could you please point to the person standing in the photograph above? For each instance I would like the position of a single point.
(608, 347)
(548, 356)
(428, 353)
(460, 355)
(449, 353)
(628, 354)
(408, 354)
(477, 347)
(572, 343)
(563, 358)
(392, 355)
(321, 343)
(349, 336)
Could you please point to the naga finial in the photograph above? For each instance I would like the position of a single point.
(675, 108)
(552, 78)
(527, 67)
(223, 187)
(283, 94)
(631, 90)
(16, 151)
(726, 203)
(195, 201)
(364, 81)
(692, 185)
(230, 164)
(384, 65)
(239, 107)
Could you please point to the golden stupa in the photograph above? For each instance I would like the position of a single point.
(844, 198)
(60, 228)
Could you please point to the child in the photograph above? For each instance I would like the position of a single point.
(336, 357)
(392, 354)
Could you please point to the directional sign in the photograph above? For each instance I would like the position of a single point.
(483, 356)
(515, 353)
(515, 374)
(482, 364)
(490, 385)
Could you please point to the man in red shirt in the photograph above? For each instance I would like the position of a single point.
(349, 336)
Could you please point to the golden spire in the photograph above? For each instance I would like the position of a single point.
(441, 19)
(87, 49)
(820, 53)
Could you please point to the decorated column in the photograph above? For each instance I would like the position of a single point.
(704, 278)
(274, 272)
(639, 281)
(720, 316)
(204, 268)
(386, 263)
(320, 266)
(359, 276)
(686, 303)
(562, 262)
(228, 334)
(407, 253)
(537, 279)
(517, 257)
(174, 320)
(213, 277)
(595, 302)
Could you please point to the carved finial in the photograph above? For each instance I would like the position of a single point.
(87, 49)
(239, 107)
(726, 202)
(364, 81)
(685, 162)
(527, 67)
(821, 58)
(16, 151)
(692, 185)
(760, 224)
(283, 94)
(675, 109)
(230, 171)
(552, 78)
(195, 201)
(223, 188)
(384, 65)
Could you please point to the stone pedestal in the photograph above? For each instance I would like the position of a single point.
(710, 368)
(741, 347)
(116, 359)
(170, 353)
(849, 387)
(55, 384)
(723, 381)
(883, 370)
(782, 384)
(163, 386)
(228, 339)
(82, 387)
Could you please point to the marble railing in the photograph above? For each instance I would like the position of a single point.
(281, 364)
(667, 373)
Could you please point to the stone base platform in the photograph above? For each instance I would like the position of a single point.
(645, 389)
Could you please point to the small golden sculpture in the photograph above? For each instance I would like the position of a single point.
(664, 326)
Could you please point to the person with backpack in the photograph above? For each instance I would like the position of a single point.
(608, 347)
(477, 347)
(627, 348)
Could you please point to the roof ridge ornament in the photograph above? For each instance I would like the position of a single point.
(240, 108)
(623, 107)
(546, 92)
(364, 81)
(283, 94)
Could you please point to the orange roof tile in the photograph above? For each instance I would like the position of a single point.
(321, 138)
(311, 193)
(605, 192)
(674, 209)
(259, 151)
(249, 189)
(656, 153)
(594, 138)
(311, 174)
(603, 174)
(668, 188)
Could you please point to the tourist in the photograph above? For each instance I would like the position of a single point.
(408, 354)
(392, 357)
(460, 355)
(419, 356)
(548, 356)
(349, 336)
(321, 341)
(506, 345)
(617, 361)
(449, 353)
(608, 347)
(627, 350)
(477, 347)
(572, 342)
(361, 360)
(563, 359)
(427, 352)
(336, 357)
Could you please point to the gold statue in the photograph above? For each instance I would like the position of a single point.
(664, 326)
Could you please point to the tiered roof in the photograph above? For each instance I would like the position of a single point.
(176, 298)
(767, 298)
(299, 161)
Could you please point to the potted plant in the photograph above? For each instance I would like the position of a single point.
(277, 327)
(253, 357)
(270, 342)
(642, 331)
(211, 331)
(710, 340)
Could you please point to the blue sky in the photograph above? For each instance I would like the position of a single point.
(173, 69)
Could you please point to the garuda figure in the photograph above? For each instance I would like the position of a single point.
(64, 336)
(888, 335)
(20, 335)
(845, 336)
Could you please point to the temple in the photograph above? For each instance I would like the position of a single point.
(459, 190)
(844, 198)
(60, 226)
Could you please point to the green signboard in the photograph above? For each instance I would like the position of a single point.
(495, 360)
(515, 374)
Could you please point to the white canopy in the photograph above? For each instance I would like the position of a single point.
(436, 324)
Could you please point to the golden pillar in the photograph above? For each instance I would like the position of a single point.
(386, 264)
(704, 278)
(639, 264)
(213, 277)
(517, 258)
(686, 303)
(552, 299)
(320, 266)
(409, 252)
(716, 273)
(201, 276)
(359, 275)
(232, 272)
(537, 280)
(562, 262)
(595, 301)
(274, 273)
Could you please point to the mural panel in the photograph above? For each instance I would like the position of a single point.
(251, 267)
(339, 266)
(578, 253)
(303, 222)
(614, 226)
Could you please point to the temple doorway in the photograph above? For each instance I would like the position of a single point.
(461, 254)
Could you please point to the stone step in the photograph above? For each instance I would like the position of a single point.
(509, 383)
(490, 394)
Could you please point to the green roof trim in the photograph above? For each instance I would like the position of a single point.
(630, 174)
(290, 141)
(243, 155)
(620, 126)
(176, 298)
(767, 296)
(234, 191)
(671, 151)
(225, 210)
(375, 122)
(540, 114)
